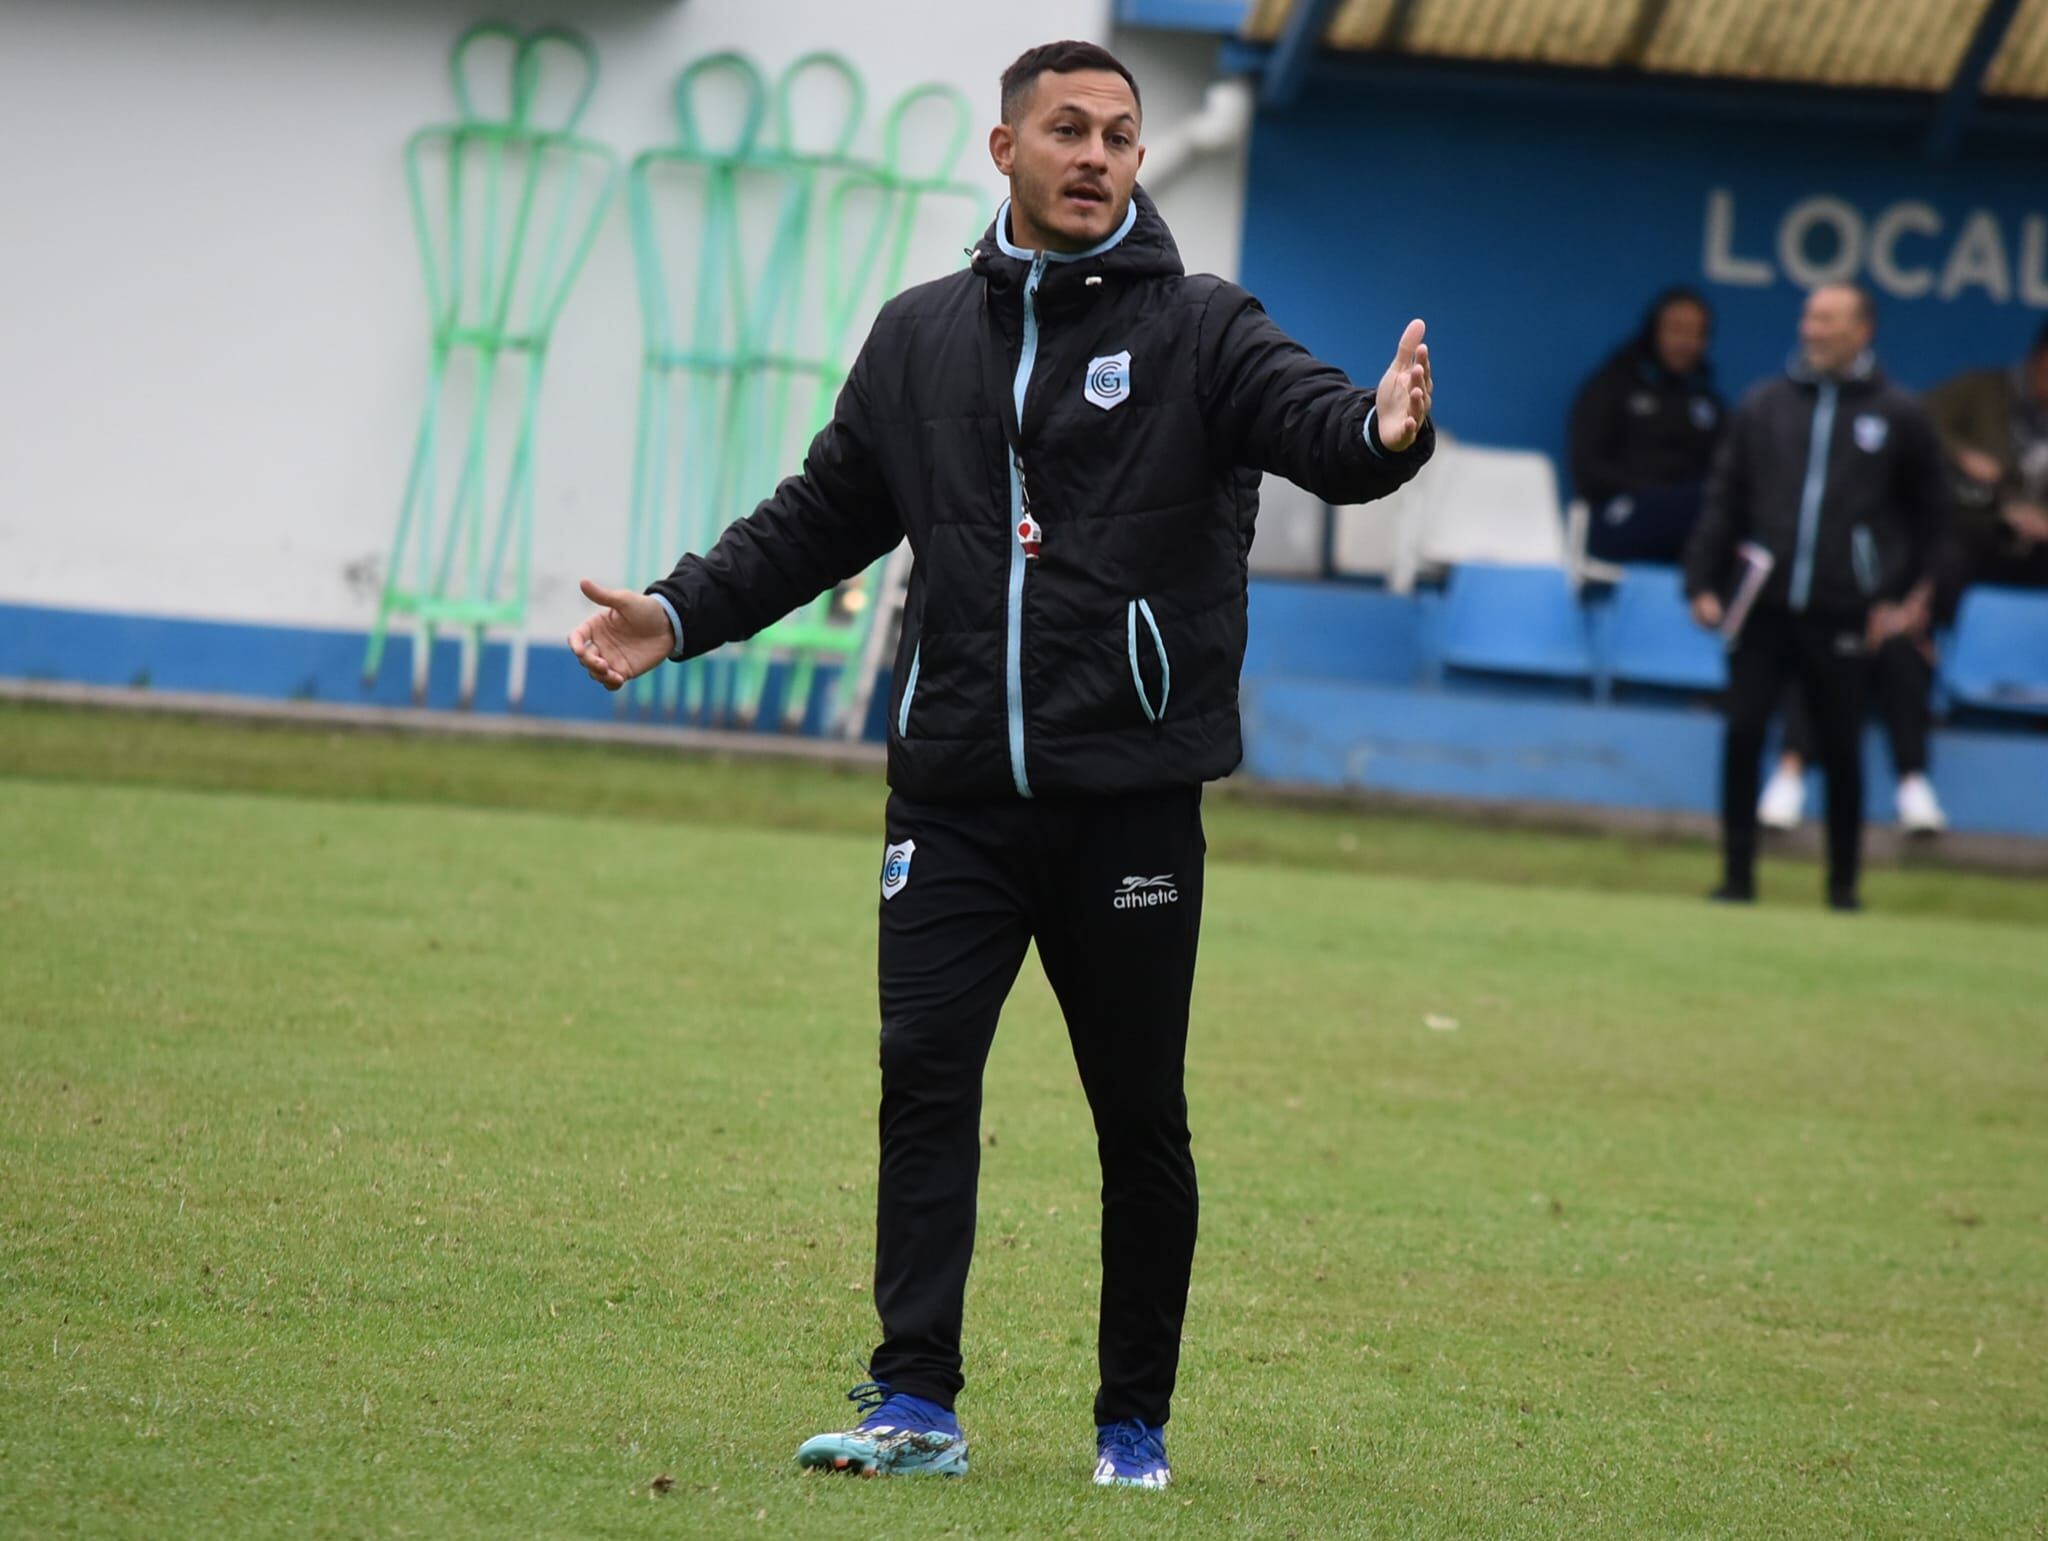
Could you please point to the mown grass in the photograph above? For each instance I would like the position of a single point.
(428, 1137)
(661, 786)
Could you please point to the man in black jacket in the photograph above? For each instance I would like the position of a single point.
(1835, 475)
(1643, 431)
(1070, 433)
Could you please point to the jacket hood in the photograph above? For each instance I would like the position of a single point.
(1142, 247)
(1638, 356)
(1862, 371)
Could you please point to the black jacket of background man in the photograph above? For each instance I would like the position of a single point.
(1108, 660)
(1841, 480)
(1636, 426)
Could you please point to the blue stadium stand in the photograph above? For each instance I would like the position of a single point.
(1337, 631)
(1648, 635)
(1521, 621)
(1997, 659)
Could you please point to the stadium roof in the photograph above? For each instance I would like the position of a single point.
(1947, 66)
(1899, 45)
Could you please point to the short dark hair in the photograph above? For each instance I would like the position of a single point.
(1866, 302)
(1061, 58)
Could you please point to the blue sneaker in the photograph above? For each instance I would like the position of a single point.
(1131, 1454)
(897, 1436)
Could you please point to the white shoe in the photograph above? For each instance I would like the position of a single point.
(1919, 809)
(1783, 804)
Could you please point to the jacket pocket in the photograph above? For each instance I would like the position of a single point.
(1139, 610)
(909, 690)
(1863, 557)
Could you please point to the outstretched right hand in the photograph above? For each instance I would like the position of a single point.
(625, 639)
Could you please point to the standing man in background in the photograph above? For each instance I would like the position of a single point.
(1837, 474)
(1070, 432)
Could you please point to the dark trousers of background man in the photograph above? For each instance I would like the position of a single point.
(1111, 890)
(1828, 658)
(1903, 676)
(1648, 526)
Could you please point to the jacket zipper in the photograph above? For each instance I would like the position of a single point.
(1863, 553)
(909, 690)
(1136, 610)
(1810, 495)
(1023, 527)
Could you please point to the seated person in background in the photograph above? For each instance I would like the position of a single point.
(1643, 432)
(1994, 424)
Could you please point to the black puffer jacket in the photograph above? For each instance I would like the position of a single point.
(1075, 622)
(1636, 426)
(1855, 527)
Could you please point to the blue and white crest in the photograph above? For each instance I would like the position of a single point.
(1870, 431)
(1109, 379)
(1704, 413)
(896, 868)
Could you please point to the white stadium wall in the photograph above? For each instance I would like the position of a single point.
(212, 307)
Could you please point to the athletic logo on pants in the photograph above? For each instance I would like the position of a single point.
(896, 868)
(1143, 893)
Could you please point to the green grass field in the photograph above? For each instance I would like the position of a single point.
(417, 1137)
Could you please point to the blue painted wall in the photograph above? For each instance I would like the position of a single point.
(298, 663)
(1531, 228)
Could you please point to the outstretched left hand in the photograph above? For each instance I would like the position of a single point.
(625, 639)
(1405, 391)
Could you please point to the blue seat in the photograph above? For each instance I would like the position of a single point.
(1998, 656)
(1650, 637)
(1515, 620)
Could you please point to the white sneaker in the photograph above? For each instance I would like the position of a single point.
(1919, 809)
(1783, 804)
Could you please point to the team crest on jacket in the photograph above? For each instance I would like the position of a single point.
(896, 868)
(1870, 430)
(1109, 379)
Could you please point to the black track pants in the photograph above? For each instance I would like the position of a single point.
(1904, 679)
(1111, 890)
(1826, 655)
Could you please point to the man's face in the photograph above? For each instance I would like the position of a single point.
(1832, 331)
(1072, 157)
(1681, 336)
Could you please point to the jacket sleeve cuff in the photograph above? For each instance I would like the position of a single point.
(675, 626)
(1373, 441)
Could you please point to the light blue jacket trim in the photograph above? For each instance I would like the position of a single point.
(909, 690)
(1372, 412)
(1863, 553)
(675, 626)
(1137, 608)
(1013, 650)
(1027, 359)
(1012, 249)
(1811, 493)
(1013, 640)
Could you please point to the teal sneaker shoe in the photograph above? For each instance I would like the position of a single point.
(897, 1436)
